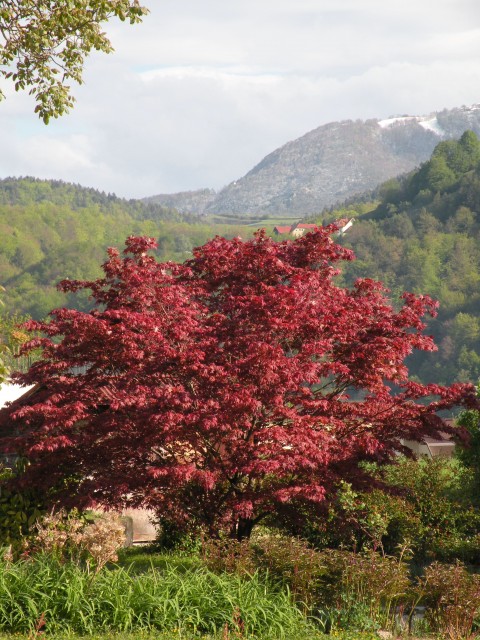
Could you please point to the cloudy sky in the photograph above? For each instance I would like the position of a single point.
(204, 89)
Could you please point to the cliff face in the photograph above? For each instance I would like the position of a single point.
(332, 163)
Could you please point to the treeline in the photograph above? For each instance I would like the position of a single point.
(422, 235)
(51, 230)
(27, 191)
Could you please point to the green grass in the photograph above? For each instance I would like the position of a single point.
(191, 601)
(149, 596)
(140, 560)
(251, 221)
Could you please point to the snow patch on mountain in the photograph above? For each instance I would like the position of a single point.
(391, 121)
(428, 123)
(432, 125)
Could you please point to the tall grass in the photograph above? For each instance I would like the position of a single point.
(169, 635)
(65, 598)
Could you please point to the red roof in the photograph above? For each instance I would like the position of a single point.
(282, 229)
(301, 225)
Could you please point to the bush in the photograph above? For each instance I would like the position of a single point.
(377, 520)
(172, 538)
(293, 562)
(70, 537)
(342, 589)
(440, 492)
(19, 511)
(230, 556)
(362, 590)
(289, 562)
(452, 598)
(428, 504)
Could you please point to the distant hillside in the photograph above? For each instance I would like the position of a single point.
(28, 191)
(424, 236)
(330, 164)
(51, 230)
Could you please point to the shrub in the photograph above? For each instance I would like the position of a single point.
(230, 556)
(429, 503)
(19, 511)
(362, 590)
(171, 537)
(440, 492)
(340, 588)
(294, 563)
(452, 598)
(71, 537)
(286, 561)
(377, 520)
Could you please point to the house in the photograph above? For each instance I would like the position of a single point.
(280, 230)
(346, 227)
(140, 528)
(432, 447)
(298, 229)
(11, 393)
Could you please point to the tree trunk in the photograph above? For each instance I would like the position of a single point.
(243, 528)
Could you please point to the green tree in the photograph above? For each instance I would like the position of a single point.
(45, 43)
(463, 221)
(439, 176)
(465, 328)
(464, 155)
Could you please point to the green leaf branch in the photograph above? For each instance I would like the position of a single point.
(45, 44)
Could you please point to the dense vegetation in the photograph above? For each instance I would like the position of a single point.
(422, 235)
(69, 578)
(51, 230)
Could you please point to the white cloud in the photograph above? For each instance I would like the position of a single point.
(200, 92)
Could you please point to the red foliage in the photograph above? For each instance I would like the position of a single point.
(217, 391)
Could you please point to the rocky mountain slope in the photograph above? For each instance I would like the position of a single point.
(330, 164)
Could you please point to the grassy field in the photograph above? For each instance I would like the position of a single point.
(252, 221)
(272, 222)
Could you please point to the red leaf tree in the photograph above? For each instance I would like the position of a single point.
(240, 384)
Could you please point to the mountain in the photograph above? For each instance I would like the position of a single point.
(330, 164)
(29, 191)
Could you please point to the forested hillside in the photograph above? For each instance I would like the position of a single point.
(423, 235)
(50, 230)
